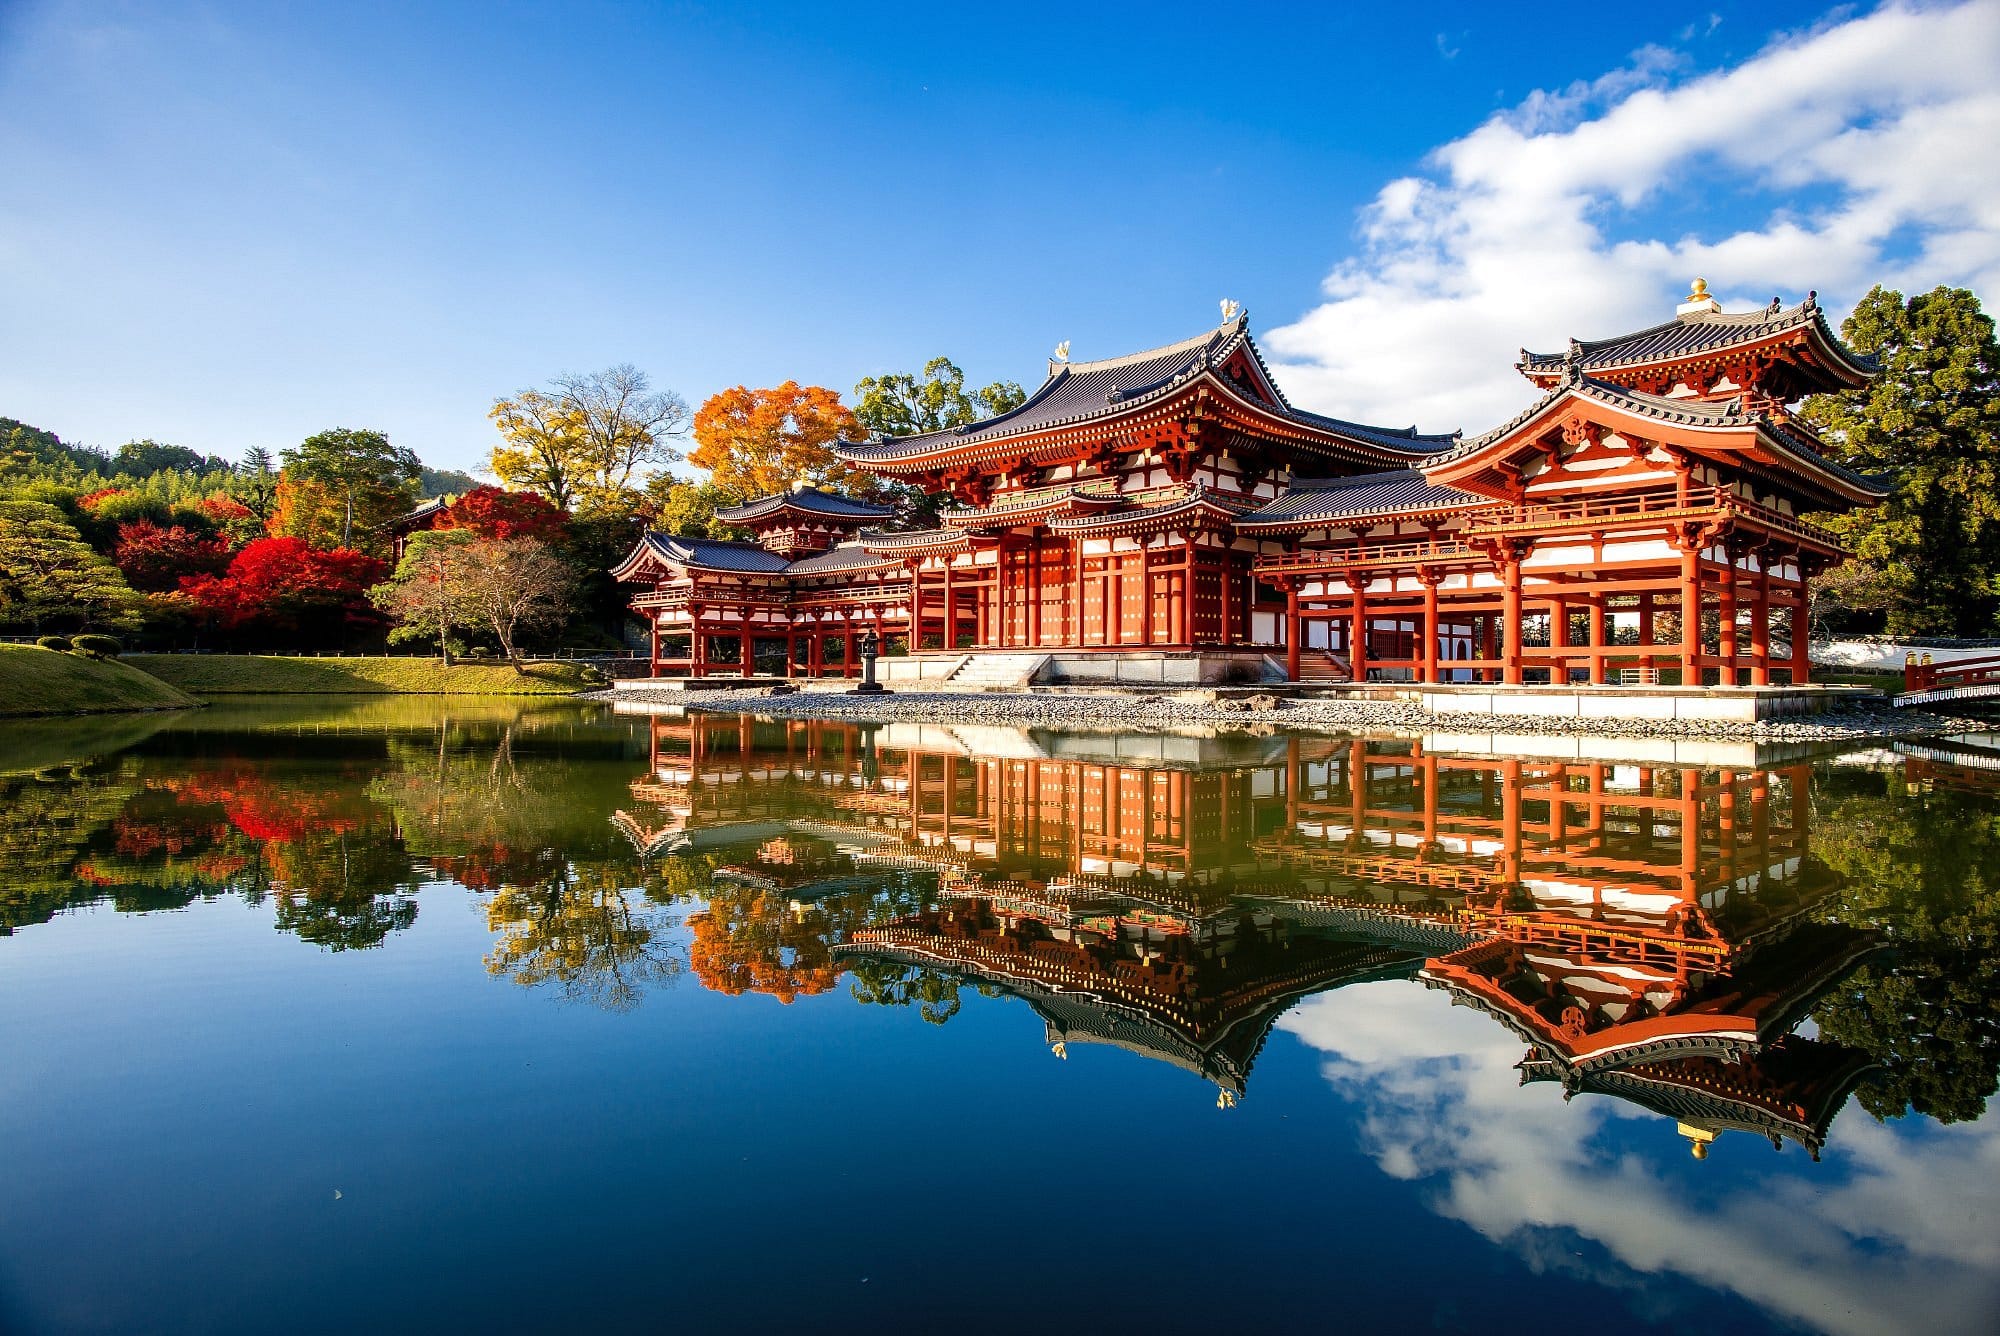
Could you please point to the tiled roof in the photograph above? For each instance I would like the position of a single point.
(1684, 412)
(1079, 391)
(1193, 500)
(845, 556)
(1697, 334)
(437, 505)
(713, 554)
(808, 499)
(1404, 490)
(914, 539)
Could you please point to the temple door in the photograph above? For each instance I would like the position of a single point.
(1131, 595)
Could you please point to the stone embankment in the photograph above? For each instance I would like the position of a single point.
(1081, 709)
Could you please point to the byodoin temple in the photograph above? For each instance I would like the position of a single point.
(1644, 517)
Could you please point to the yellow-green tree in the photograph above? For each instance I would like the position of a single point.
(586, 441)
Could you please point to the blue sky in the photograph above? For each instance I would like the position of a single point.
(228, 226)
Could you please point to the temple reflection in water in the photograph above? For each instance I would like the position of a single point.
(1646, 928)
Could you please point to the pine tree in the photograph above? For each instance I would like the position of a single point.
(1931, 421)
(50, 576)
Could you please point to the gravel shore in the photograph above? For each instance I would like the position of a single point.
(1083, 709)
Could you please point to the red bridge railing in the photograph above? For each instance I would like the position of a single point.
(1920, 674)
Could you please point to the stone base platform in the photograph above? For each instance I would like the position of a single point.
(654, 684)
(1733, 705)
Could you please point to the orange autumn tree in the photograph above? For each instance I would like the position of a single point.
(748, 940)
(754, 442)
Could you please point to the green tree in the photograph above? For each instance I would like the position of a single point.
(515, 587)
(427, 594)
(900, 404)
(687, 509)
(142, 459)
(1932, 422)
(369, 480)
(1922, 868)
(50, 577)
(257, 487)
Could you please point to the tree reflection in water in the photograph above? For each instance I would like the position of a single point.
(775, 858)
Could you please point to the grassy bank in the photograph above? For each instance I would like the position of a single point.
(203, 675)
(43, 681)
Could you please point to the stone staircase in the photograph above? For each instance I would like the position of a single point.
(1316, 665)
(996, 672)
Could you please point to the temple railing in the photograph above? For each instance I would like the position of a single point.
(1651, 504)
(1031, 499)
(1387, 553)
(1542, 517)
(887, 593)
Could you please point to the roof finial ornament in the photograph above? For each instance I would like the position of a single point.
(1700, 301)
(1062, 351)
(1231, 311)
(1812, 300)
(1573, 364)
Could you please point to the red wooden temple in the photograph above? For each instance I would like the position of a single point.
(1647, 514)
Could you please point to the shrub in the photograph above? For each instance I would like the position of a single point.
(60, 644)
(97, 647)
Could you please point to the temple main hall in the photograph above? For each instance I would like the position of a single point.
(1646, 520)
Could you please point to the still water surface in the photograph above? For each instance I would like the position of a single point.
(401, 1015)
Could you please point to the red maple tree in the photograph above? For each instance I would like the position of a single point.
(156, 558)
(494, 512)
(286, 584)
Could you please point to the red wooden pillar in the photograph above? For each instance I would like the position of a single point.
(1598, 641)
(749, 661)
(1646, 631)
(1559, 641)
(1073, 613)
(1510, 612)
(1691, 614)
(1760, 626)
(1726, 619)
(950, 608)
(1357, 645)
(1801, 629)
(847, 647)
(915, 634)
(1428, 669)
(1292, 630)
(654, 667)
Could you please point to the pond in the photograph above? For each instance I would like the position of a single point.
(404, 1014)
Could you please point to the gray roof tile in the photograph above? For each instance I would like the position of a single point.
(810, 499)
(1079, 391)
(1695, 334)
(845, 556)
(1404, 490)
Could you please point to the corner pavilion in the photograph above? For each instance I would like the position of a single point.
(1643, 515)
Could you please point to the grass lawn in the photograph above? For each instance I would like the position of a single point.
(236, 674)
(44, 681)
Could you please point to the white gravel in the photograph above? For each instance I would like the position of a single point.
(1082, 709)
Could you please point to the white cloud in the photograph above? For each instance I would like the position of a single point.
(1887, 1236)
(1856, 153)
